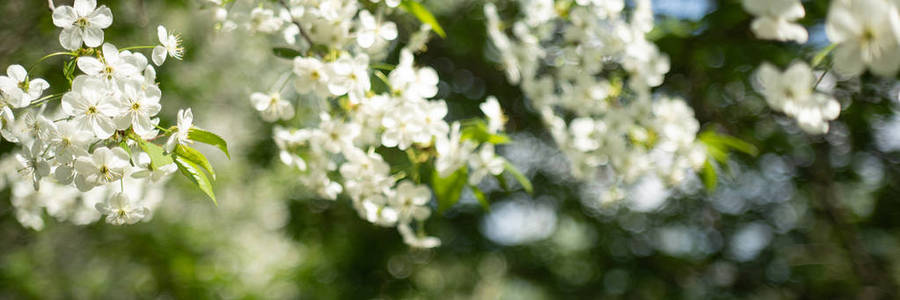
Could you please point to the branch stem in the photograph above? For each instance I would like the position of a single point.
(302, 31)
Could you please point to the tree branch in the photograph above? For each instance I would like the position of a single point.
(302, 31)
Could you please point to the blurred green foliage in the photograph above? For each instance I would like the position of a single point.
(323, 250)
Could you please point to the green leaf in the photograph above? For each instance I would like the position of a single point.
(158, 157)
(821, 55)
(726, 142)
(285, 52)
(526, 184)
(482, 199)
(124, 144)
(710, 178)
(477, 131)
(425, 16)
(449, 189)
(69, 70)
(383, 82)
(192, 172)
(502, 180)
(206, 137)
(194, 156)
(382, 66)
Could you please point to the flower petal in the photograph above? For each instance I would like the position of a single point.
(70, 38)
(93, 36)
(17, 73)
(101, 18)
(85, 7)
(162, 34)
(90, 65)
(159, 55)
(64, 16)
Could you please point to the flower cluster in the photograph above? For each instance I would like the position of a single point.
(775, 19)
(589, 70)
(865, 34)
(791, 92)
(91, 154)
(365, 114)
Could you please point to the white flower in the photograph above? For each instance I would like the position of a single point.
(170, 45)
(374, 210)
(496, 118)
(583, 131)
(402, 127)
(780, 88)
(289, 139)
(7, 121)
(105, 165)
(137, 107)
(349, 74)
(311, 76)
(334, 135)
(538, 11)
(416, 241)
(119, 210)
(147, 171)
(264, 20)
(433, 124)
(792, 92)
(84, 22)
(411, 82)
(775, 19)
(18, 89)
(410, 200)
(33, 164)
(813, 114)
(371, 30)
(389, 3)
(452, 151)
(89, 103)
(323, 186)
(38, 126)
(180, 136)
(70, 141)
(113, 65)
(29, 205)
(484, 163)
(866, 33)
(272, 107)
(364, 173)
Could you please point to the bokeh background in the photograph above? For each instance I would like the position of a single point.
(810, 217)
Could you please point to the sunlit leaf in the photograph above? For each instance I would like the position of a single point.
(526, 184)
(449, 189)
(476, 130)
(206, 137)
(482, 199)
(425, 16)
(158, 157)
(726, 142)
(821, 55)
(502, 180)
(382, 66)
(710, 178)
(193, 172)
(194, 156)
(285, 52)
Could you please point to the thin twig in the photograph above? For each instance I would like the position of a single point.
(302, 31)
(820, 78)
